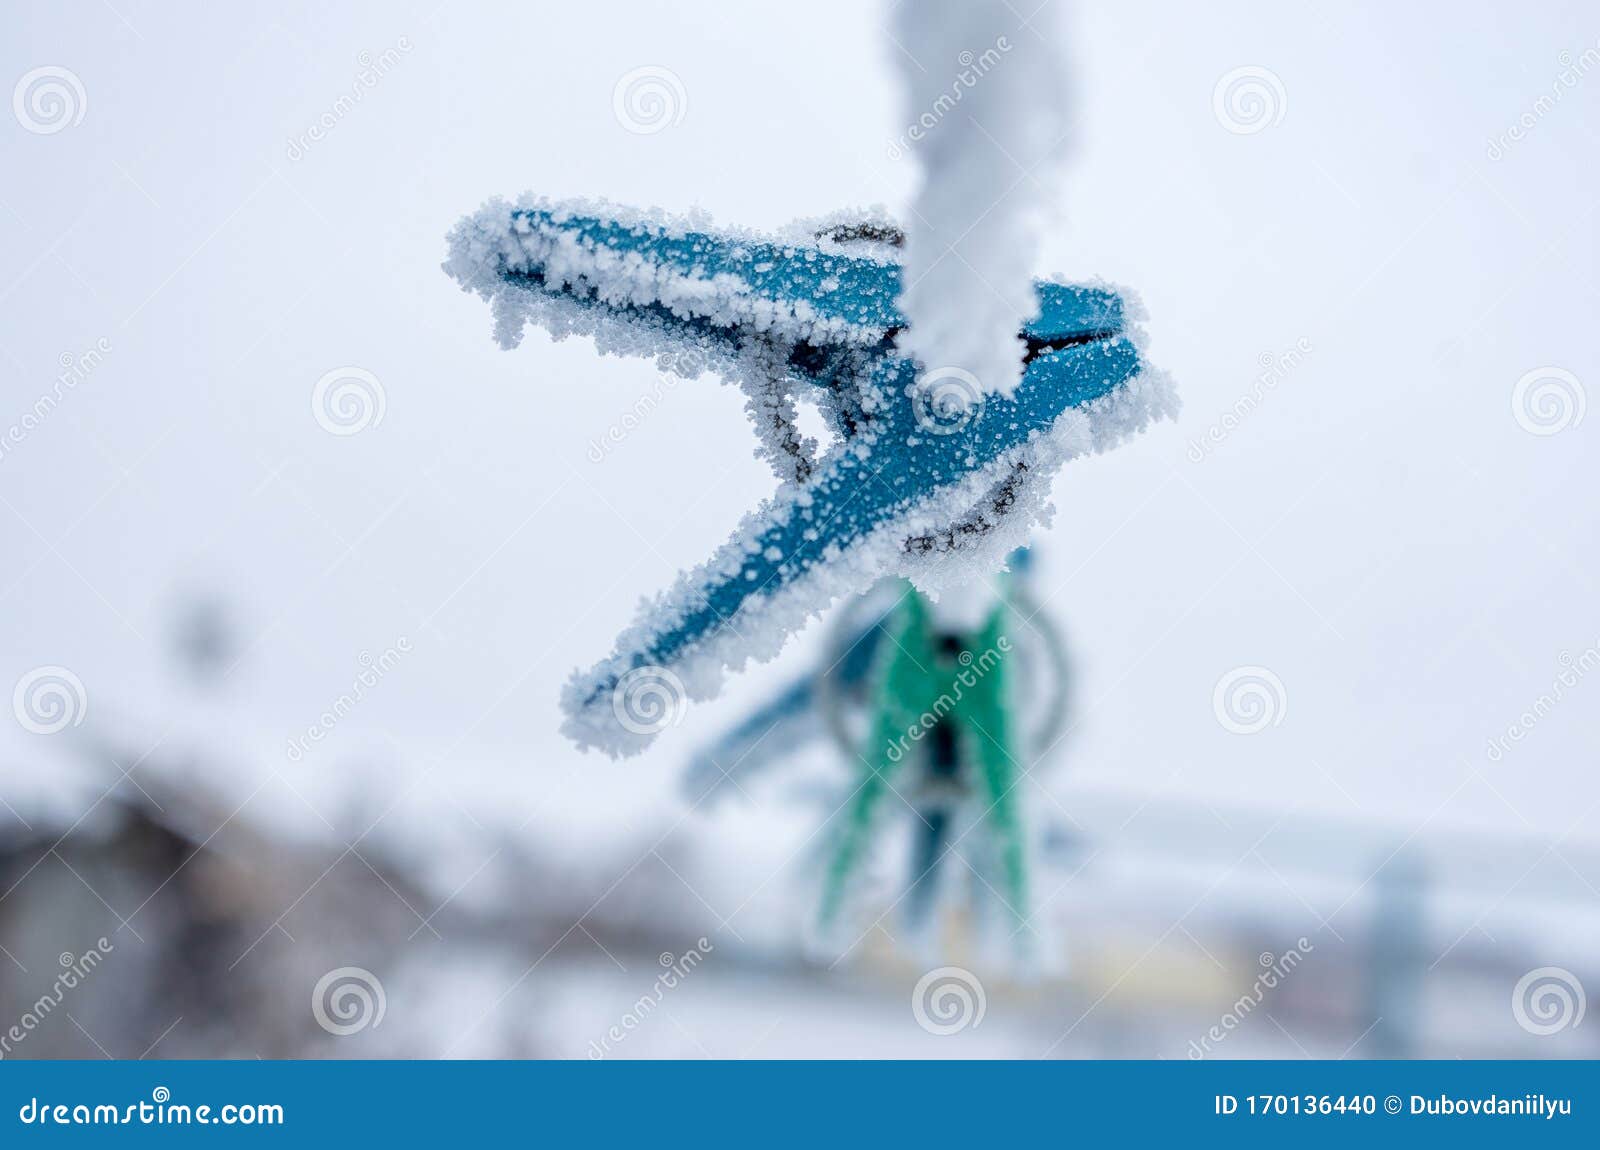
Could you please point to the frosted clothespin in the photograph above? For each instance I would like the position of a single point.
(929, 476)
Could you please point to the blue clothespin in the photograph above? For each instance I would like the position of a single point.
(930, 477)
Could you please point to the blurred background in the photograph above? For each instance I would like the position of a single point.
(281, 774)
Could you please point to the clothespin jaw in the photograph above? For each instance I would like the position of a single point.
(930, 477)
